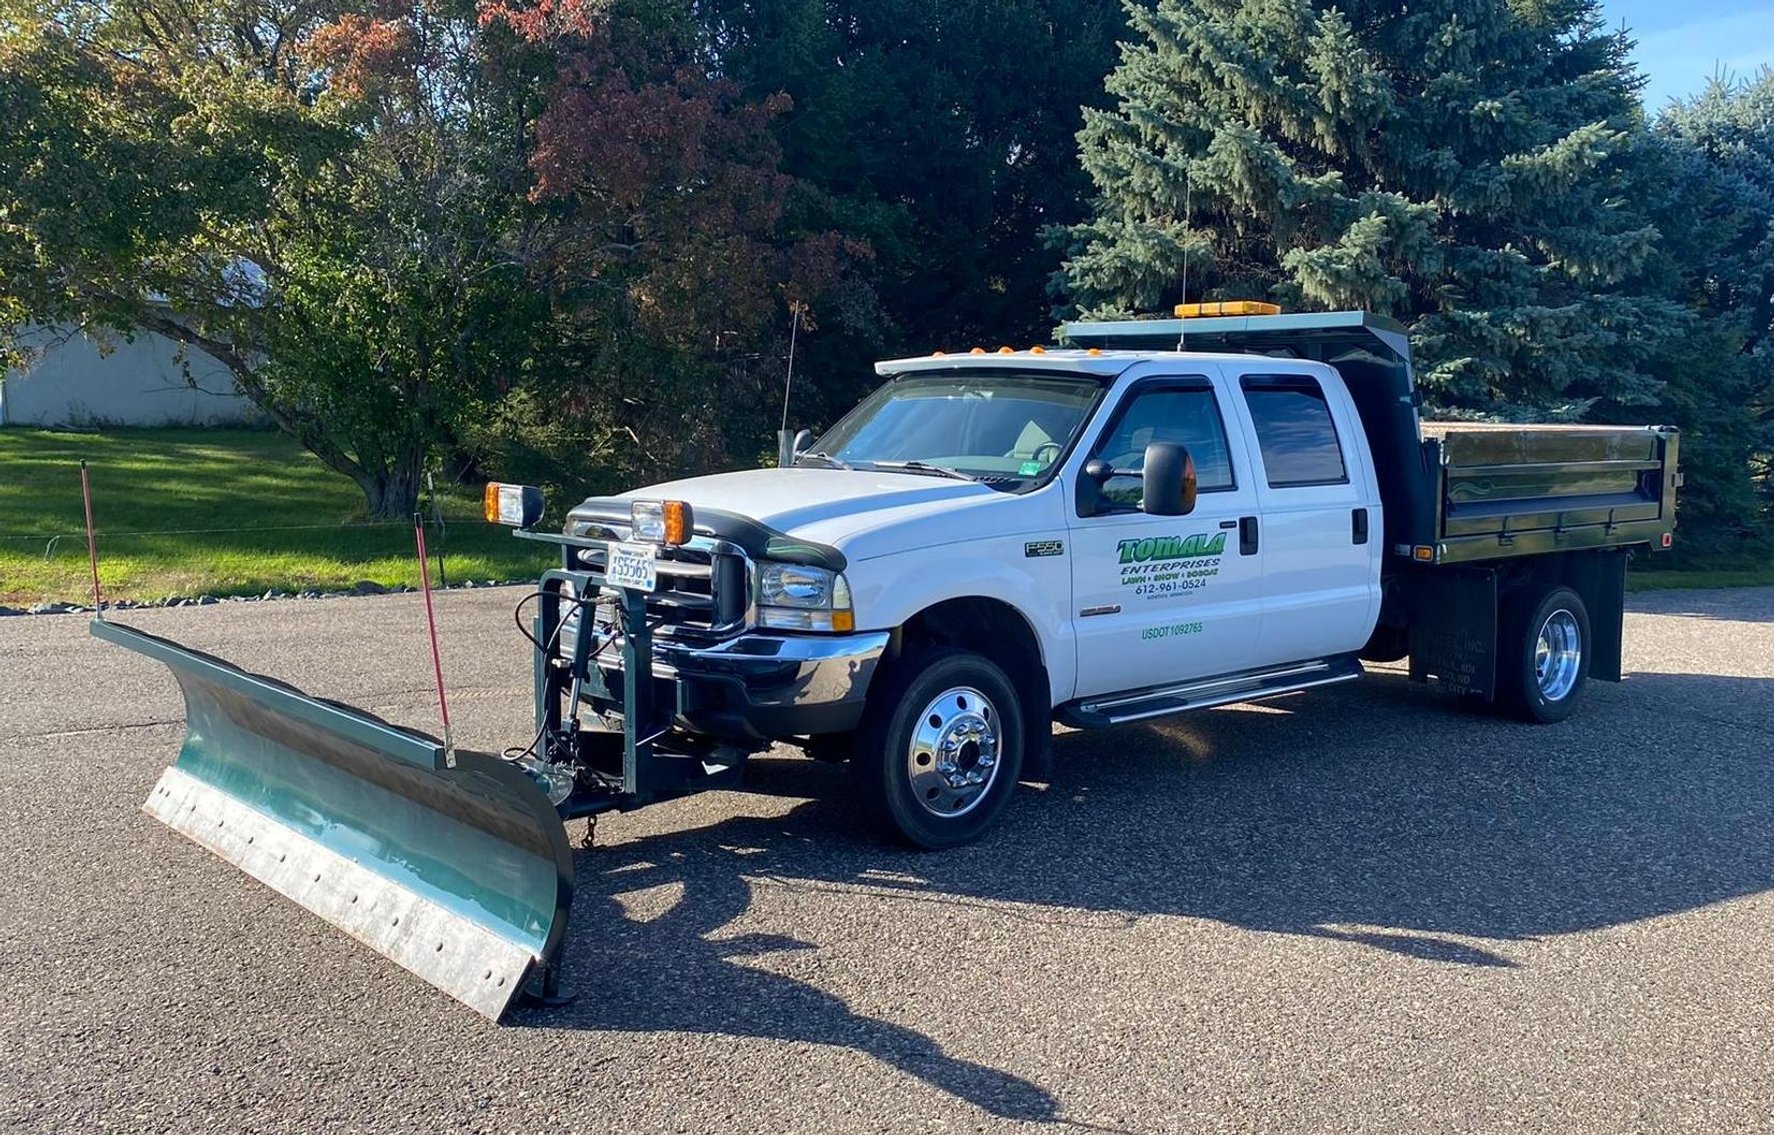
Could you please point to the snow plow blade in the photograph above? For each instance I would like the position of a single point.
(460, 873)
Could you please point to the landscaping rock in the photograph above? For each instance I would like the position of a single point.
(206, 600)
(48, 609)
(367, 587)
(4, 611)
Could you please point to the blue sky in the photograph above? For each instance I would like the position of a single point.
(1681, 42)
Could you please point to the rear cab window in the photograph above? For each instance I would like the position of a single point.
(1296, 432)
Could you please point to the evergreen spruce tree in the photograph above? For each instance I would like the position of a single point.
(1717, 185)
(1463, 165)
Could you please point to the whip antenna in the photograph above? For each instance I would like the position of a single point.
(794, 329)
(1188, 232)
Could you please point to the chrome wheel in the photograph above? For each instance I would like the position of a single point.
(953, 756)
(1558, 655)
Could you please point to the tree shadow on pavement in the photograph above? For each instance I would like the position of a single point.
(668, 974)
(1377, 814)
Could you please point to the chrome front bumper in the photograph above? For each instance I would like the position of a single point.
(763, 687)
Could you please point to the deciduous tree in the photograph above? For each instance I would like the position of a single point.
(328, 201)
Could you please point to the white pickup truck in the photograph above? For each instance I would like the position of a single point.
(987, 544)
(1118, 530)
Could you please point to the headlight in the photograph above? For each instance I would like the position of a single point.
(661, 522)
(794, 597)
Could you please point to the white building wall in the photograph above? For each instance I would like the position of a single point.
(69, 382)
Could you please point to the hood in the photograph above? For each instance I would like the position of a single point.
(859, 512)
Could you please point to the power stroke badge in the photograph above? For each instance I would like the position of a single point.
(1167, 565)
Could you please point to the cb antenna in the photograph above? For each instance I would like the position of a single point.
(1188, 234)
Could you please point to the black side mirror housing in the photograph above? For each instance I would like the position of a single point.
(1170, 480)
(1091, 479)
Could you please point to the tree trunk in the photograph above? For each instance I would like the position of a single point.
(393, 493)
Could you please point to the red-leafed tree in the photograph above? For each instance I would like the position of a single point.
(672, 266)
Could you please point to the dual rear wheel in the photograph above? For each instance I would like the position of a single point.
(1543, 655)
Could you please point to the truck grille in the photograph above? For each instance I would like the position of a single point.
(702, 594)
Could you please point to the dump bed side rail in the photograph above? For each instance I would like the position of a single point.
(1508, 491)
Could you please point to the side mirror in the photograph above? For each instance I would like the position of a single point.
(1098, 470)
(790, 444)
(1170, 480)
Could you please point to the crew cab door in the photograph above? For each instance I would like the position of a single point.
(1162, 599)
(1319, 514)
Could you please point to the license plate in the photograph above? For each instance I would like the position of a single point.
(632, 566)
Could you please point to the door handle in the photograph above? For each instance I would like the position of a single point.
(1358, 525)
(1247, 535)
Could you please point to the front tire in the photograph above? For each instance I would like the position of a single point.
(1543, 659)
(940, 747)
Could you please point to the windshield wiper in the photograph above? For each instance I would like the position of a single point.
(819, 455)
(925, 468)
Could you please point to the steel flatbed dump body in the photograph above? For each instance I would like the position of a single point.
(1512, 490)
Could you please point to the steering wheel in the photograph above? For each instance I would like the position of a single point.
(1051, 449)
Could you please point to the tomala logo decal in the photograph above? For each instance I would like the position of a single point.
(1155, 566)
(1171, 547)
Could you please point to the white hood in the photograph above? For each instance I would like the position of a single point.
(862, 513)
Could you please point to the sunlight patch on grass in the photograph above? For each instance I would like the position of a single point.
(214, 512)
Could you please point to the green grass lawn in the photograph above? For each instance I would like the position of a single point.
(1641, 580)
(213, 512)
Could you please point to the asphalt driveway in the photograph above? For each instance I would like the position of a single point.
(1355, 909)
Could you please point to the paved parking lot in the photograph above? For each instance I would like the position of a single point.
(1355, 909)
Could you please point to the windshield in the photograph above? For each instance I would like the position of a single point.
(995, 426)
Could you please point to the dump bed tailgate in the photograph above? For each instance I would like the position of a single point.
(1513, 490)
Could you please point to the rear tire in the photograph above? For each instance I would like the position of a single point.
(1543, 655)
(940, 747)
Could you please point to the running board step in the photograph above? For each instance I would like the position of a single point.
(1205, 693)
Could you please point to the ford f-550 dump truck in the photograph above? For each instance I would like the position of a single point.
(990, 542)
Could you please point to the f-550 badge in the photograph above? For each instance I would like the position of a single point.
(1036, 548)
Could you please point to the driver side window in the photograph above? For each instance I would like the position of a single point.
(1187, 415)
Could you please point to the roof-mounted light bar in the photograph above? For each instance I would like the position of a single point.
(1225, 307)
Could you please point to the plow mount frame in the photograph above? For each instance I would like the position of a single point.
(648, 760)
